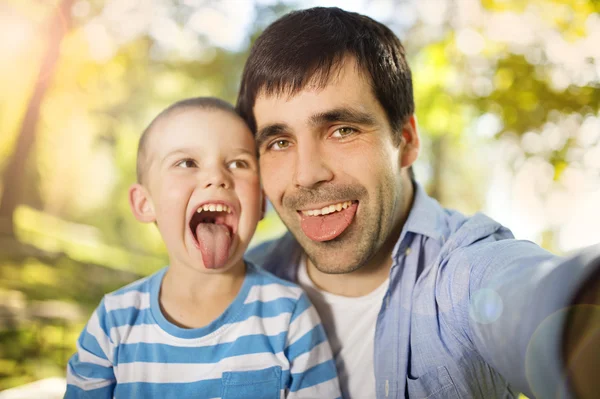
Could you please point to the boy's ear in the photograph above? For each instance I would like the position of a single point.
(141, 204)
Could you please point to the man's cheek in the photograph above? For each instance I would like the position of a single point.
(273, 177)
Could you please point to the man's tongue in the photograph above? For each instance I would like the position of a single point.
(328, 227)
(214, 241)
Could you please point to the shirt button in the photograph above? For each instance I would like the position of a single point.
(407, 252)
(387, 388)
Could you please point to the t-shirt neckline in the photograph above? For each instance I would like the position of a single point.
(213, 328)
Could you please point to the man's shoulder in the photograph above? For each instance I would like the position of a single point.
(466, 231)
(473, 245)
(279, 257)
(479, 247)
(449, 228)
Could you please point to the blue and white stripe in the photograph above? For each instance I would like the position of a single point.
(268, 343)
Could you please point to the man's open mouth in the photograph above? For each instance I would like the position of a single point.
(213, 226)
(327, 222)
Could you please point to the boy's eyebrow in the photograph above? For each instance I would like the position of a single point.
(176, 151)
(244, 151)
(187, 152)
(344, 114)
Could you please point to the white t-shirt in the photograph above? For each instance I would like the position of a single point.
(350, 326)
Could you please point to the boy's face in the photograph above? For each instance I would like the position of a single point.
(201, 187)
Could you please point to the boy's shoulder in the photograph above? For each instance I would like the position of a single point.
(280, 256)
(268, 286)
(133, 295)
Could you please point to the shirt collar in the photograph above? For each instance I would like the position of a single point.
(426, 216)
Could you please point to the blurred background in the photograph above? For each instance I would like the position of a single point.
(507, 95)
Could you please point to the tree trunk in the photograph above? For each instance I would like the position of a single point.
(14, 174)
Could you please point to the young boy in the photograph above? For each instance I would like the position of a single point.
(210, 325)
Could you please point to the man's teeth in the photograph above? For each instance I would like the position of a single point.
(214, 207)
(328, 209)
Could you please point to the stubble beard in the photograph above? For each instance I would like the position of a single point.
(356, 246)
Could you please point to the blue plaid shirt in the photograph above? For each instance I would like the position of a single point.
(470, 311)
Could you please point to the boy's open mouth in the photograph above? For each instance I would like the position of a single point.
(213, 225)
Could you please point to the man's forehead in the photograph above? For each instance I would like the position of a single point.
(343, 72)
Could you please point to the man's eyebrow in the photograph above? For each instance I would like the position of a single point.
(268, 131)
(347, 115)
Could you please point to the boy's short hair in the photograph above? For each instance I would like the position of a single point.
(309, 46)
(202, 103)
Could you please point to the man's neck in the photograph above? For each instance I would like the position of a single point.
(355, 284)
(372, 274)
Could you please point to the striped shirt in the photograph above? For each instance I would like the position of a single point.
(269, 343)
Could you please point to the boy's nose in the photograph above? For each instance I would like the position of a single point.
(217, 179)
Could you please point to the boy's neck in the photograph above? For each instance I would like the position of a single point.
(192, 299)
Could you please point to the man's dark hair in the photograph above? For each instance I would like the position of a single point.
(309, 45)
(203, 103)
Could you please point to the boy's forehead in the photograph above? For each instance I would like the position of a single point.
(196, 129)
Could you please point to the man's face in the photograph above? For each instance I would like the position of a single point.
(330, 168)
(203, 187)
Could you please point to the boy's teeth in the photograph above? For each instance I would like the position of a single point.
(328, 209)
(214, 208)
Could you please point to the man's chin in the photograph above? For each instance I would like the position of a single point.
(338, 256)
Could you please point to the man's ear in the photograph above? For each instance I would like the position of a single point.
(410, 143)
(141, 204)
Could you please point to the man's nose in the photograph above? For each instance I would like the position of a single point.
(217, 178)
(311, 166)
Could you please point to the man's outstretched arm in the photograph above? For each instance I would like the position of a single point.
(582, 338)
(516, 311)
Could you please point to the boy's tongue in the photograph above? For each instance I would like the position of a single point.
(214, 240)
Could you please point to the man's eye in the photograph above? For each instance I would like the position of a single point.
(186, 163)
(278, 145)
(238, 164)
(343, 132)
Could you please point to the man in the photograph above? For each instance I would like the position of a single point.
(418, 301)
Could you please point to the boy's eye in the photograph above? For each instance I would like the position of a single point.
(279, 145)
(343, 132)
(238, 164)
(186, 163)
